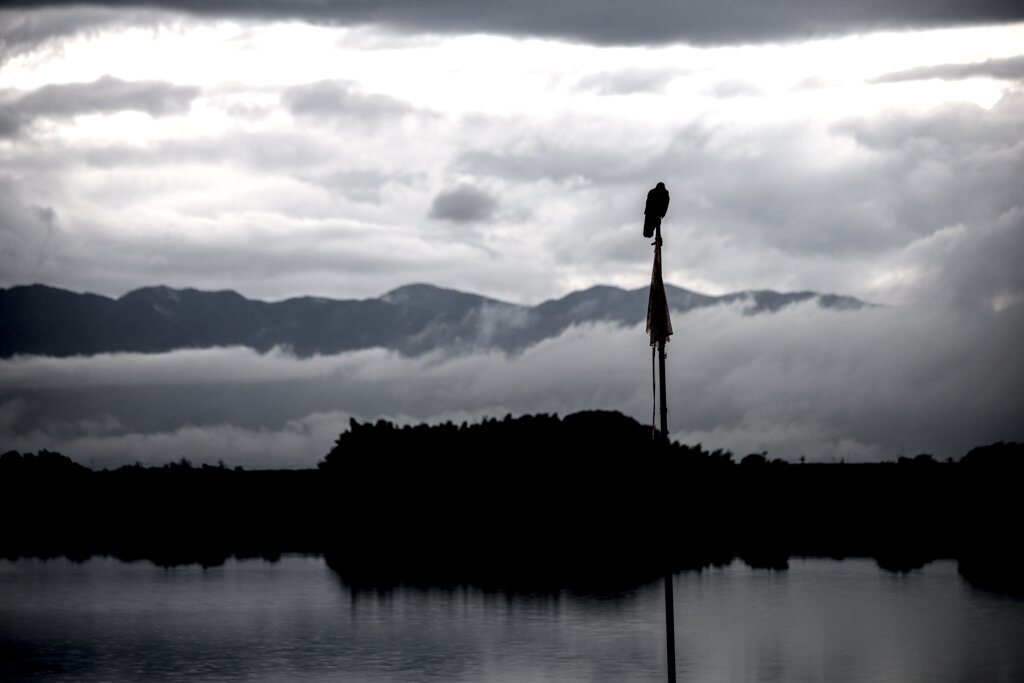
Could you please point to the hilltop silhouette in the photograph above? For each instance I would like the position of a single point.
(412, 320)
(534, 501)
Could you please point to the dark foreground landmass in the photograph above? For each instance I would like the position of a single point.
(536, 502)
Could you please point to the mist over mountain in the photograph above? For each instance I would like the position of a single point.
(412, 320)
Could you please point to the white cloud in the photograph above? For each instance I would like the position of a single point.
(323, 182)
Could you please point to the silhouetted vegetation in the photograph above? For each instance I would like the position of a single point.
(45, 463)
(533, 502)
(995, 456)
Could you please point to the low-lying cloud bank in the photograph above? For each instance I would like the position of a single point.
(804, 382)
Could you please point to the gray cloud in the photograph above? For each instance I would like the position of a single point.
(955, 164)
(1010, 68)
(734, 88)
(463, 204)
(975, 268)
(104, 95)
(628, 81)
(746, 199)
(945, 132)
(543, 158)
(756, 205)
(335, 99)
(108, 94)
(704, 22)
(10, 121)
(22, 31)
(753, 205)
(925, 171)
(30, 237)
(284, 151)
(361, 185)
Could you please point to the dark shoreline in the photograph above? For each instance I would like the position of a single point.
(579, 512)
(900, 516)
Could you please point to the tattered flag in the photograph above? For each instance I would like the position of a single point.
(659, 324)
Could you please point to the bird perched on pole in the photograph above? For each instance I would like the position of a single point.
(655, 209)
(659, 324)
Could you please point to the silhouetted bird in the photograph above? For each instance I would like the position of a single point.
(654, 211)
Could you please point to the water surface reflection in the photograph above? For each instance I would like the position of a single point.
(295, 619)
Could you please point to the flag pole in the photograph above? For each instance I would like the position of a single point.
(659, 325)
(662, 391)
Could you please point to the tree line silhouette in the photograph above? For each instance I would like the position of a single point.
(534, 502)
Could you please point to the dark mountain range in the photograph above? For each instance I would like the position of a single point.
(42, 320)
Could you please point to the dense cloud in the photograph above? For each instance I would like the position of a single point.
(463, 204)
(759, 206)
(102, 96)
(338, 99)
(24, 31)
(628, 81)
(703, 22)
(747, 201)
(1010, 68)
(308, 185)
(29, 233)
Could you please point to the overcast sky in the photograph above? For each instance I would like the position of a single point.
(347, 148)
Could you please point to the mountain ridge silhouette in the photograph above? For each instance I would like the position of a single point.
(413, 319)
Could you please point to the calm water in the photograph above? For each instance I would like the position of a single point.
(822, 620)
